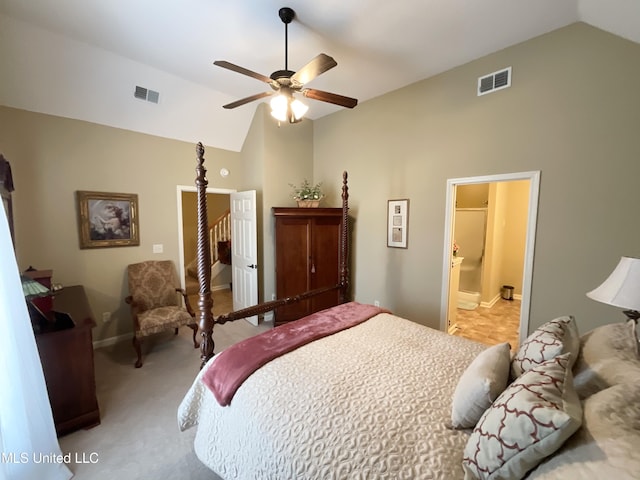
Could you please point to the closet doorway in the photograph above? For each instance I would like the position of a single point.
(492, 221)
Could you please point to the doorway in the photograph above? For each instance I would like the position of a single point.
(187, 202)
(485, 262)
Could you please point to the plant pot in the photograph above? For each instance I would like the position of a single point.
(308, 203)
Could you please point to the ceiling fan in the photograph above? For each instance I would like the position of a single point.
(285, 82)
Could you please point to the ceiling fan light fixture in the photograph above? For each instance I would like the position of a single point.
(285, 82)
(298, 108)
(285, 108)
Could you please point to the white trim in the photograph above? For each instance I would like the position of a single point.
(224, 286)
(534, 191)
(107, 342)
(179, 190)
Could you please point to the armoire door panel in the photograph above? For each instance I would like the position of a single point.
(307, 257)
(292, 265)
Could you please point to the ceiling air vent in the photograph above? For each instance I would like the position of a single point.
(494, 81)
(145, 94)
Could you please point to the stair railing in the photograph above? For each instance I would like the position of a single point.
(219, 231)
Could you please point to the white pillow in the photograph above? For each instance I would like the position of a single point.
(546, 342)
(530, 420)
(484, 379)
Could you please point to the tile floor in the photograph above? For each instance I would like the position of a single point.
(500, 323)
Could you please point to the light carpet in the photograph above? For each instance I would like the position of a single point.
(138, 437)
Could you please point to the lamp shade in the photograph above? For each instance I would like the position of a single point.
(622, 288)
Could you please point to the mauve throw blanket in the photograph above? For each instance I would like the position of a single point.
(234, 365)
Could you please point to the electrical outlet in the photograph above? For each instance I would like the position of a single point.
(273, 296)
(106, 317)
(158, 248)
(376, 303)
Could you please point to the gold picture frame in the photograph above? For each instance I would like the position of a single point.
(397, 223)
(107, 219)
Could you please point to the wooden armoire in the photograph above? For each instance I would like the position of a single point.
(307, 247)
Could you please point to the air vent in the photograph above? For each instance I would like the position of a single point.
(145, 94)
(494, 81)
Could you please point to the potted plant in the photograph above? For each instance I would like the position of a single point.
(307, 195)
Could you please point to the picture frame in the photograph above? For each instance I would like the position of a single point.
(107, 219)
(397, 223)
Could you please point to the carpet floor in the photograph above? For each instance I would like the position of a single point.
(138, 437)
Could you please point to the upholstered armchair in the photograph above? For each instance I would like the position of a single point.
(155, 302)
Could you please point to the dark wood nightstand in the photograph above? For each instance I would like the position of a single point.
(67, 361)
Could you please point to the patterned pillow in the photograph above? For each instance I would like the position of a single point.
(530, 420)
(546, 342)
(484, 379)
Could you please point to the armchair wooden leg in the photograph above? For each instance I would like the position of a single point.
(194, 327)
(136, 346)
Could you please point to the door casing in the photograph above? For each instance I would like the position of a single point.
(534, 190)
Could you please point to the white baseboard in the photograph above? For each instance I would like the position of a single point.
(107, 342)
(491, 302)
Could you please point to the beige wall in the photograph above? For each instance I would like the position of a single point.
(52, 157)
(515, 233)
(472, 196)
(566, 114)
(277, 155)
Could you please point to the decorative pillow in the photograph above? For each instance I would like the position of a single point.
(484, 379)
(530, 420)
(608, 356)
(546, 342)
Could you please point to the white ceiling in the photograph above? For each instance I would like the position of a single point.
(379, 45)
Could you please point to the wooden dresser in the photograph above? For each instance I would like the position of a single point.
(67, 361)
(307, 244)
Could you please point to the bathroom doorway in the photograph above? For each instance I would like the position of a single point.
(494, 226)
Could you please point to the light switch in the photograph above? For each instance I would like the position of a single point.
(157, 248)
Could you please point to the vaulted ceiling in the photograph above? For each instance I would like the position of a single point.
(379, 45)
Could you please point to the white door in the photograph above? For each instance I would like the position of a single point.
(244, 251)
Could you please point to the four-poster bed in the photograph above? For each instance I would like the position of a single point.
(357, 392)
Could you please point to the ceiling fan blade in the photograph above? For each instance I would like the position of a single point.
(315, 67)
(334, 98)
(246, 100)
(244, 71)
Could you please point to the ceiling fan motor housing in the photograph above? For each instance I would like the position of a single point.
(281, 78)
(286, 14)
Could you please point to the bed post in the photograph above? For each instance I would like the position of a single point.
(205, 301)
(344, 241)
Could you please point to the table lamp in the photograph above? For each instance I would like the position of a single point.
(622, 288)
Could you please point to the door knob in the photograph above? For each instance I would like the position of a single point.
(252, 266)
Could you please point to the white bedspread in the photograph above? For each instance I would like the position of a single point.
(370, 402)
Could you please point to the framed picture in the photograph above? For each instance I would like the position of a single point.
(108, 219)
(397, 223)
